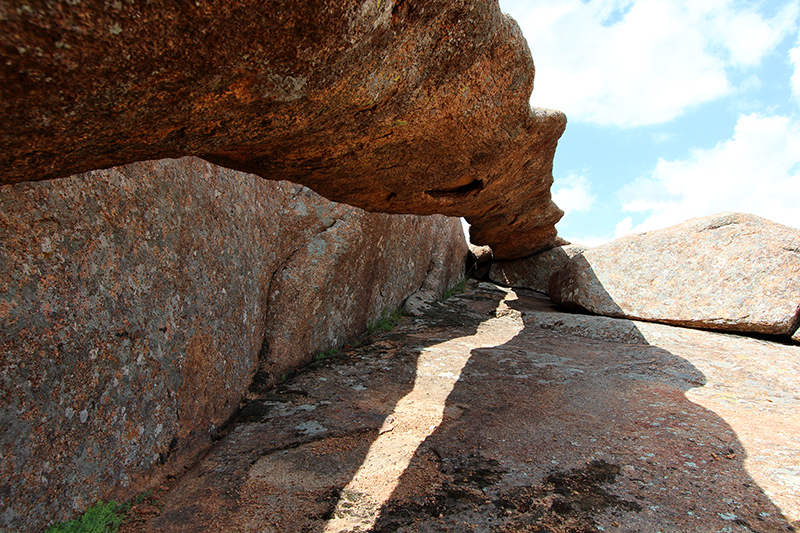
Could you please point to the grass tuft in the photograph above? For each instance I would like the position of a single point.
(100, 518)
(458, 288)
(324, 355)
(389, 321)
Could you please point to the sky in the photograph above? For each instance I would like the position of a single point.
(676, 109)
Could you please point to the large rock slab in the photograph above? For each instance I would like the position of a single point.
(534, 272)
(389, 105)
(729, 272)
(494, 412)
(137, 303)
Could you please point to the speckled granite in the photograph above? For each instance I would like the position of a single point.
(136, 304)
(730, 272)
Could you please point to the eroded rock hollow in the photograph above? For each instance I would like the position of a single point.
(398, 106)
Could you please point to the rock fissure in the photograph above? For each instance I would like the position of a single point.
(470, 188)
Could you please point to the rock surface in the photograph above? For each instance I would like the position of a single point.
(479, 261)
(137, 303)
(534, 272)
(729, 272)
(393, 106)
(495, 412)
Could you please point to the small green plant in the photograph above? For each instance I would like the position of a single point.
(100, 518)
(387, 322)
(458, 288)
(142, 496)
(103, 517)
(324, 355)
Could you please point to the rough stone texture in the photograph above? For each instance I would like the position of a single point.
(137, 303)
(506, 415)
(729, 272)
(480, 254)
(534, 272)
(479, 261)
(397, 106)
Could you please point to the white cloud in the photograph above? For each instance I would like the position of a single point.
(584, 239)
(630, 63)
(756, 171)
(590, 241)
(794, 59)
(572, 193)
(624, 227)
(662, 137)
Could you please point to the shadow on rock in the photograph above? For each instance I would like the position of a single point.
(578, 424)
(287, 462)
(497, 412)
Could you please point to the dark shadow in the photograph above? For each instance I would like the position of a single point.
(580, 425)
(576, 424)
(294, 473)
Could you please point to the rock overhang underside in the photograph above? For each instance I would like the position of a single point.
(393, 106)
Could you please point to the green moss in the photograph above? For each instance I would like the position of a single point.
(324, 355)
(389, 321)
(100, 518)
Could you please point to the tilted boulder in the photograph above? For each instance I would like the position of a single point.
(389, 105)
(728, 272)
(534, 272)
(137, 303)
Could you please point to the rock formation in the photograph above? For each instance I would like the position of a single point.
(534, 272)
(137, 303)
(396, 106)
(479, 261)
(728, 272)
(514, 417)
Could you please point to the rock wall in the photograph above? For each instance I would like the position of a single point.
(397, 106)
(137, 303)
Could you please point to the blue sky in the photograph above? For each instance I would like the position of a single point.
(675, 108)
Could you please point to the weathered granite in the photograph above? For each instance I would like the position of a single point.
(534, 272)
(514, 417)
(357, 270)
(389, 105)
(479, 261)
(135, 301)
(729, 272)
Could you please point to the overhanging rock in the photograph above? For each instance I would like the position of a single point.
(392, 106)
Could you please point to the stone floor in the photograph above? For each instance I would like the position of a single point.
(497, 412)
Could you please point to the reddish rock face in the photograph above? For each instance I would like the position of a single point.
(395, 106)
(137, 303)
(729, 272)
